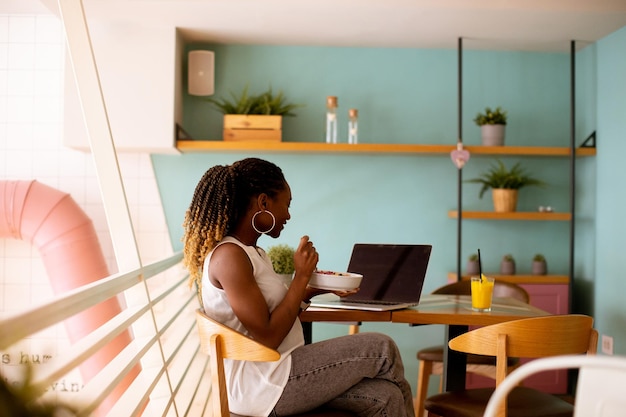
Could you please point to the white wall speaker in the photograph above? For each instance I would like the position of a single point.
(200, 75)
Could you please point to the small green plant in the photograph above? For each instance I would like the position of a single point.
(498, 176)
(508, 258)
(473, 257)
(266, 103)
(21, 398)
(491, 117)
(539, 258)
(282, 258)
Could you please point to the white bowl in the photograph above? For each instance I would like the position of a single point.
(331, 280)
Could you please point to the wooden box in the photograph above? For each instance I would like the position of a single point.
(240, 127)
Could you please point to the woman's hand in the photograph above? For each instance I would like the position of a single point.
(345, 293)
(312, 292)
(305, 259)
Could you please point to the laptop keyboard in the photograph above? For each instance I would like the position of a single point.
(380, 302)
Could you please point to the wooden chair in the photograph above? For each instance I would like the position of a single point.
(525, 338)
(599, 387)
(431, 358)
(220, 342)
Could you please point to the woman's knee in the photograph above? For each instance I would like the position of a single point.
(376, 338)
(379, 340)
(373, 397)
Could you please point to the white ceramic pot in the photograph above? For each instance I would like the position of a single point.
(492, 135)
(286, 278)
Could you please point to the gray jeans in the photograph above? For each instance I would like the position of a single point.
(362, 373)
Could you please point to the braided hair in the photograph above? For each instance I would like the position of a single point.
(219, 201)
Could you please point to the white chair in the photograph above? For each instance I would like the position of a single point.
(599, 391)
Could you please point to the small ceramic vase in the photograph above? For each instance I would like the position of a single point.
(507, 267)
(472, 268)
(492, 135)
(539, 268)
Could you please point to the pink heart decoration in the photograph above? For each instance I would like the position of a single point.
(459, 156)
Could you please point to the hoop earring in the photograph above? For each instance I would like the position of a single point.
(273, 221)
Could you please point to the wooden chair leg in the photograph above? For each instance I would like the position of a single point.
(423, 376)
(441, 383)
(354, 329)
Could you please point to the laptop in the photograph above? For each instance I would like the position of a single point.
(393, 277)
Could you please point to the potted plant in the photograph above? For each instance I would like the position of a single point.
(539, 265)
(22, 398)
(492, 124)
(254, 116)
(472, 267)
(507, 266)
(282, 261)
(505, 184)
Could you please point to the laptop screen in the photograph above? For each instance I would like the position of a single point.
(390, 272)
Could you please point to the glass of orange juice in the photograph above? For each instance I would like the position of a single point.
(482, 292)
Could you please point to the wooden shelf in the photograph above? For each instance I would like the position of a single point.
(515, 215)
(321, 147)
(308, 147)
(519, 278)
(528, 151)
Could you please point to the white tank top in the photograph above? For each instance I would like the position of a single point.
(253, 387)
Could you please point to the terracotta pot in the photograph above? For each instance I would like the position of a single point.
(492, 135)
(504, 200)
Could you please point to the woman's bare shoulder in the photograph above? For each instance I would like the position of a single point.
(230, 256)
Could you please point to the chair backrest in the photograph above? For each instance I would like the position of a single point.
(500, 289)
(599, 391)
(530, 338)
(220, 342)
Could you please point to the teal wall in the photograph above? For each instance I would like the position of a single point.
(610, 288)
(404, 96)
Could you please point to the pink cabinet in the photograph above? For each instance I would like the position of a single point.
(549, 297)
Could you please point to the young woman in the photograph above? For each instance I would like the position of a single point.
(231, 207)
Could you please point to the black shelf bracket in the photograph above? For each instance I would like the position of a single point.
(590, 142)
(181, 134)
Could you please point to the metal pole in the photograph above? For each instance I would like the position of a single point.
(572, 192)
(455, 360)
(460, 171)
